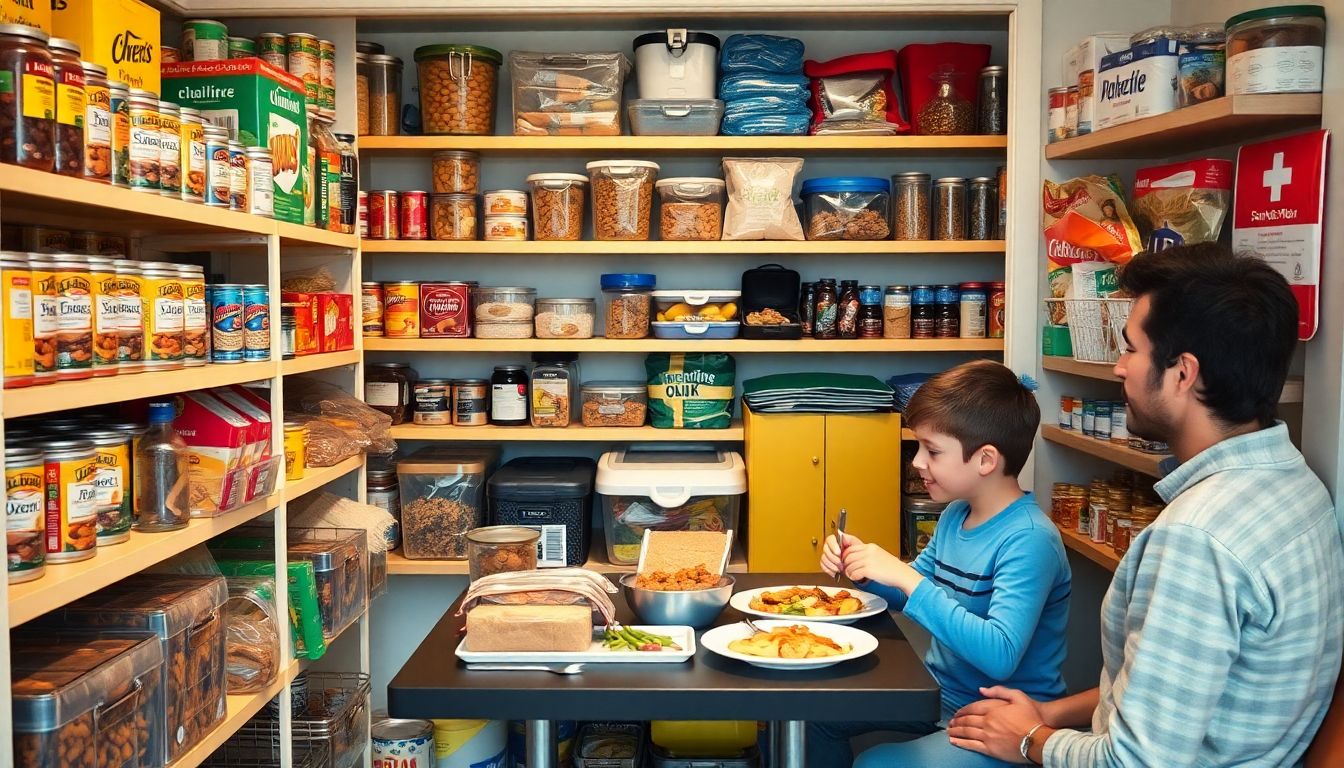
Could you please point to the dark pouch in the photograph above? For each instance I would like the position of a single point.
(771, 286)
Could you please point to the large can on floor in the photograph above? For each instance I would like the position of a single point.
(256, 323)
(226, 323)
(402, 743)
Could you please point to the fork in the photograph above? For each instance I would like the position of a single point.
(557, 669)
(840, 539)
(752, 624)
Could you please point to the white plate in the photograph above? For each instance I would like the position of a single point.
(596, 653)
(872, 604)
(718, 638)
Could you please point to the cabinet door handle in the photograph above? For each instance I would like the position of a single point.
(814, 541)
(816, 460)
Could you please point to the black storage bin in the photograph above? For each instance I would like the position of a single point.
(553, 494)
(771, 286)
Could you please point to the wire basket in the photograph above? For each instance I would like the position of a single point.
(261, 749)
(1096, 326)
(334, 719)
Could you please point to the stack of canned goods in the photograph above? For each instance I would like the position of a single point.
(1103, 420)
(972, 310)
(240, 323)
(386, 214)
(407, 309)
(303, 55)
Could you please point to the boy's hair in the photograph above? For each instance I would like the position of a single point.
(979, 403)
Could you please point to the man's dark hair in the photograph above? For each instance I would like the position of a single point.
(1234, 314)
(980, 403)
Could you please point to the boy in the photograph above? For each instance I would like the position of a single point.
(991, 587)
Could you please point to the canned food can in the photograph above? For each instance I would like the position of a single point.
(296, 450)
(164, 300)
(170, 150)
(169, 55)
(46, 306)
(445, 310)
(401, 309)
(25, 521)
(74, 318)
(371, 305)
(349, 183)
(130, 317)
(363, 205)
(242, 48)
(289, 326)
(16, 281)
(238, 179)
(997, 310)
(383, 215)
(97, 124)
(71, 500)
(326, 74)
(226, 323)
(402, 743)
(505, 202)
(304, 62)
(260, 182)
(414, 224)
(256, 323)
(144, 142)
(432, 402)
(1056, 118)
(219, 171)
(106, 316)
(470, 398)
(195, 314)
(193, 163)
(111, 480)
(506, 228)
(204, 40)
(120, 107)
(272, 49)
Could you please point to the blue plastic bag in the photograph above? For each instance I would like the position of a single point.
(745, 85)
(761, 53)
(763, 124)
(767, 106)
(905, 386)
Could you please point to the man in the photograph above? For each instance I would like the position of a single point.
(1221, 631)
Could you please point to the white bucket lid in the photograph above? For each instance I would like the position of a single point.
(606, 164)
(576, 178)
(708, 181)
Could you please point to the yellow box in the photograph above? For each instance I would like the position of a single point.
(30, 13)
(122, 35)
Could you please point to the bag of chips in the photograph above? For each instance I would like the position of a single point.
(691, 391)
(1182, 203)
(1085, 220)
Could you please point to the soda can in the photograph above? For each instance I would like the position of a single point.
(256, 323)
(383, 215)
(272, 49)
(226, 323)
(414, 220)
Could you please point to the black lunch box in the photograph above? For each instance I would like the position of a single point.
(771, 286)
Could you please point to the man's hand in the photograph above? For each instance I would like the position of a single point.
(996, 725)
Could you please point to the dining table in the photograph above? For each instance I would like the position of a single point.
(891, 683)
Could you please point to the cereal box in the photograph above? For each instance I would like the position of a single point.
(336, 331)
(261, 105)
(29, 13)
(122, 35)
(306, 332)
(218, 442)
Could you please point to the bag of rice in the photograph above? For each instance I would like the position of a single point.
(690, 391)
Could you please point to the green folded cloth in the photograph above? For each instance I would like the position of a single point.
(805, 382)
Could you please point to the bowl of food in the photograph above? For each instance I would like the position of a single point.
(692, 597)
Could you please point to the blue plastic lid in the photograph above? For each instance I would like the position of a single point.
(619, 280)
(161, 413)
(846, 184)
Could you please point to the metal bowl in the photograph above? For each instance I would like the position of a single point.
(696, 608)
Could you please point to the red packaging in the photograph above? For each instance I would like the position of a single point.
(336, 331)
(920, 62)
(305, 321)
(363, 214)
(445, 311)
(414, 216)
(383, 215)
(219, 441)
(857, 90)
(258, 474)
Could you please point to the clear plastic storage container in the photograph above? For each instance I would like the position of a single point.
(340, 561)
(622, 198)
(674, 490)
(457, 88)
(847, 208)
(442, 499)
(565, 318)
(384, 74)
(615, 403)
(558, 200)
(504, 304)
(567, 94)
(691, 208)
(697, 314)
(629, 304)
(675, 117)
(501, 549)
(457, 171)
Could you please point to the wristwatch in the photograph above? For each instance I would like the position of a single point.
(1026, 745)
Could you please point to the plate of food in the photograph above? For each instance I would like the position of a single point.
(831, 605)
(789, 645)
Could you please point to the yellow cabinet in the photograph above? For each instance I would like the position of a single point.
(803, 468)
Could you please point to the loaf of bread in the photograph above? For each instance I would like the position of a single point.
(529, 628)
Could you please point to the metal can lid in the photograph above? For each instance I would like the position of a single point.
(23, 30)
(393, 729)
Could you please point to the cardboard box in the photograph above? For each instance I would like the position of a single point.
(1080, 68)
(122, 35)
(336, 331)
(306, 332)
(1136, 83)
(218, 439)
(262, 105)
(30, 13)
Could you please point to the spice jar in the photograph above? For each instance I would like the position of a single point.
(565, 318)
(508, 396)
(983, 208)
(628, 297)
(947, 113)
(622, 198)
(457, 171)
(453, 217)
(910, 206)
(501, 549)
(1276, 50)
(993, 107)
(387, 388)
(557, 205)
(27, 125)
(457, 88)
(431, 399)
(97, 124)
(896, 312)
(690, 208)
(68, 73)
(949, 216)
(554, 384)
(384, 95)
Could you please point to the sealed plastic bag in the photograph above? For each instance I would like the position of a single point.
(760, 199)
(761, 53)
(1182, 203)
(857, 92)
(1085, 220)
(794, 88)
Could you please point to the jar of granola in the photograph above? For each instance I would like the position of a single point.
(629, 298)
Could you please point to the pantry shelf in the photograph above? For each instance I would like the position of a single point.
(1101, 554)
(316, 477)
(66, 582)
(574, 433)
(1228, 120)
(298, 234)
(322, 362)
(69, 395)
(241, 708)
(683, 144)
(1100, 371)
(399, 565)
(683, 247)
(814, 346)
(1147, 463)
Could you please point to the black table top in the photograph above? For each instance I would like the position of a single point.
(889, 684)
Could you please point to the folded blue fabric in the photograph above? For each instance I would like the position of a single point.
(765, 105)
(906, 385)
(780, 124)
(761, 53)
(746, 85)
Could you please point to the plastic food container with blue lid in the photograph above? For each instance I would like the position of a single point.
(629, 304)
(847, 208)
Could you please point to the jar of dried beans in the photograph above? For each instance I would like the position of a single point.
(947, 113)
(910, 206)
(27, 98)
(949, 199)
(457, 171)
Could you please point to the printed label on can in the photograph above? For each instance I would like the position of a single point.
(170, 157)
(145, 149)
(271, 48)
(194, 163)
(417, 752)
(106, 323)
(18, 325)
(469, 404)
(256, 324)
(371, 306)
(402, 310)
(219, 174)
(204, 40)
(74, 336)
(131, 323)
(226, 322)
(24, 521)
(165, 321)
(444, 311)
(304, 62)
(98, 133)
(238, 181)
(71, 508)
(195, 322)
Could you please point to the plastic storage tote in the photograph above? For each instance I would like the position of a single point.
(340, 561)
(553, 495)
(567, 94)
(442, 499)
(847, 208)
(671, 490)
(677, 64)
(675, 117)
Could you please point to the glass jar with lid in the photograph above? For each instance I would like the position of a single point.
(384, 95)
(565, 318)
(629, 298)
(68, 73)
(508, 396)
(1276, 50)
(27, 118)
(947, 113)
(380, 489)
(362, 93)
(555, 381)
(949, 214)
(501, 549)
(387, 388)
(1202, 64)
(910, 206)
(992, 110)
(982, 208)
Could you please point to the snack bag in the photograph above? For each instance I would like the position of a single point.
(1182, 203)
(1085, 220)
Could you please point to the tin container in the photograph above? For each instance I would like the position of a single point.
(144, 142)
(371, 306)
(304, 62)
(163, 298)
(326, 75)
(296, 450)
(204, 40)
(289, 327)
(349, 183)
(112, 480)
(505, 228)
(106, 316)
(74, 318)
(97, 124)
(272, 49)
(414, 219)
(130, 317)
(193, 162)
(445, 310)
(242, 48)
(505, 202)
(219, 173)
(119, 106)
(46, 319)
(431, 401)
(383, 215)
(256, 323)
(401, 309)
(1057, 117)
(16, 282)
(470, 402)
(238, 179)
(170, 150)
(402, 743)
(260, 182)
(71, 506)
(195, 316)
(973, 306)
(25, 521)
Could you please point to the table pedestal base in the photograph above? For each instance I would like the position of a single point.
(788, 741)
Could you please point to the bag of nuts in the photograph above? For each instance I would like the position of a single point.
(760, 198)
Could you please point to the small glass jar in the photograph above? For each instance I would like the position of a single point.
(508, 396)
(431, 399)
(993, 106)
(381, 491)
(629, 300)
(558, 201)
(896, 312)
(910, 206)
(691, 208)
(457, 171)
(71, 105)
(28, 115)
(501, 549)
(565, 318)
(384, 95)
(1202, 64)
(387, 388)
(362, 93)
(453, 217)
(947, 113)
(615, 403)
(949, 213)
(982, 208)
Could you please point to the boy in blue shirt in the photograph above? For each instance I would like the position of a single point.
(991, 587)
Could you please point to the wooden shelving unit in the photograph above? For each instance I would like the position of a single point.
(400, 565)
(241, 708)
(316, 477)
(739, 346)
(69, 395)
(1147, 463)
(66, 582)
(322, 362)
(574, 433)
(1228, 120)
(1101, 554)
(681, 247)
(708, 145)
(1099, 371)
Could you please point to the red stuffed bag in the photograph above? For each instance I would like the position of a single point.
(856, 94)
